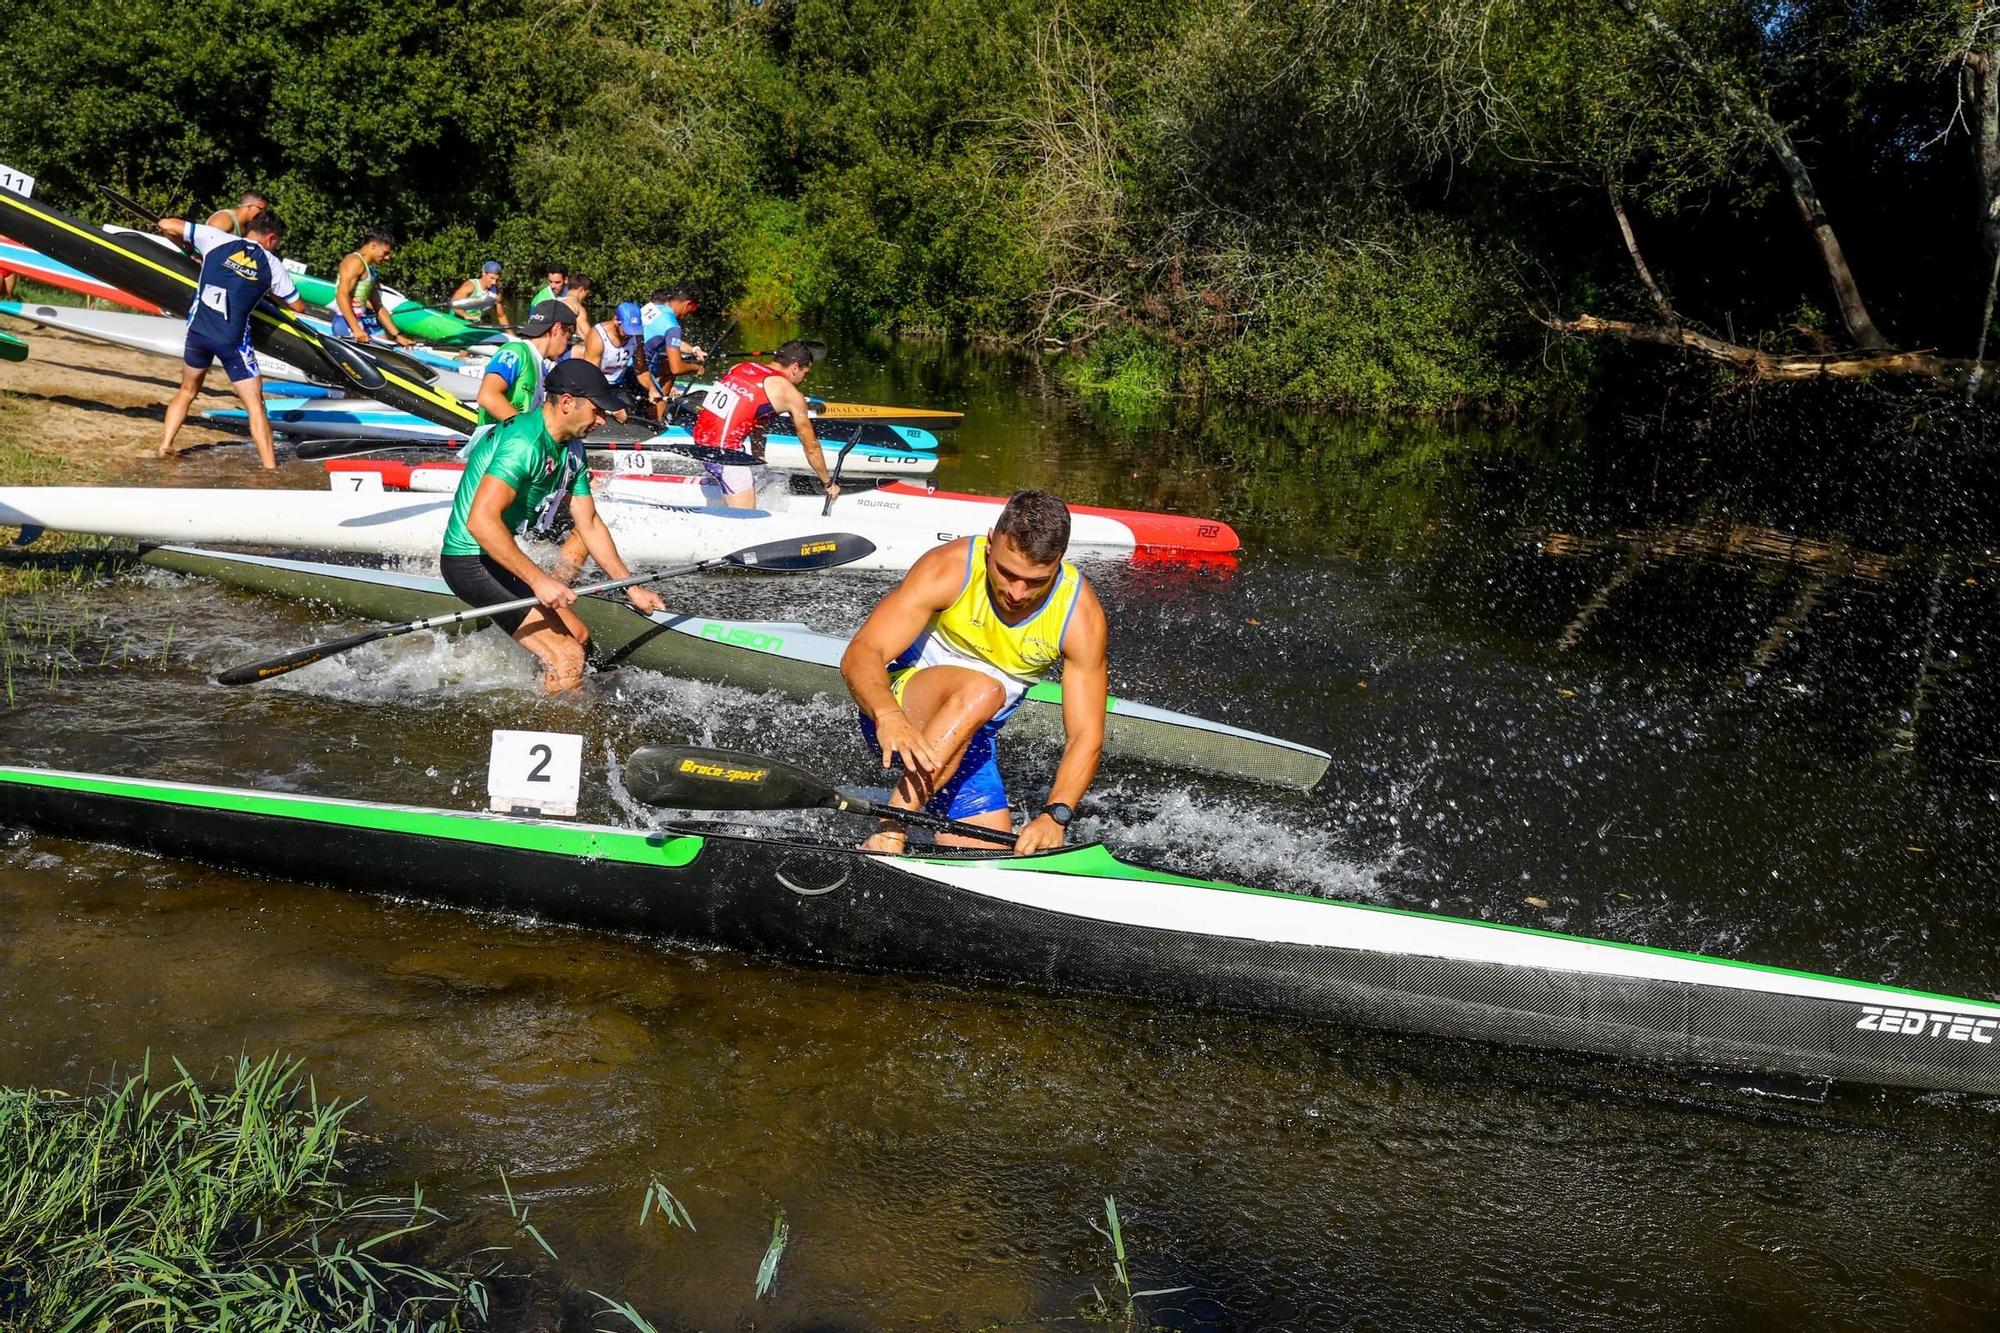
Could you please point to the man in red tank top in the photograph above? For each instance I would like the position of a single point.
(740, 408)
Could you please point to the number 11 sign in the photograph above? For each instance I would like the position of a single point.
(536, 772)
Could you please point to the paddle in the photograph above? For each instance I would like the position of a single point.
(785, 557)
(687, 777)
(311, 451)
(839, 461)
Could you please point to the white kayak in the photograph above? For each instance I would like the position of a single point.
(1175, 536)
(361, 418)
(390, 524)
(163, 335)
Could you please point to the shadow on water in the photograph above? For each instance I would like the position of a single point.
(1716, 688)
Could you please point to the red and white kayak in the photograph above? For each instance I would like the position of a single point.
(902, 502)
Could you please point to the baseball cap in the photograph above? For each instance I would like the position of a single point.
(630, 318)
(490, 266)
(584, 380)
(546, 316)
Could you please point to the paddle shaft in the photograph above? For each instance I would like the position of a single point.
(855, 805)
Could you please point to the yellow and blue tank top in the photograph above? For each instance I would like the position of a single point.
(970, 633)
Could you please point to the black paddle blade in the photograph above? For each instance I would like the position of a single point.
(249, 673)
(803, 553)
(309, 451)
(352, 363)
(681, 777)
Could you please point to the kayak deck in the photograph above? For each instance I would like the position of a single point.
(1075, 920)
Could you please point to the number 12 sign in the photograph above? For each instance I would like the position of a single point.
(540, 771)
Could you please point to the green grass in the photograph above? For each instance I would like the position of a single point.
(156, 1204)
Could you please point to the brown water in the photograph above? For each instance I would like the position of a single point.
(1747, 712)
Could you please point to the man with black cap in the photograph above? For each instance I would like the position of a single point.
(527, 474)
(513, 381)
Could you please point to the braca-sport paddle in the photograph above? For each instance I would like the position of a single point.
(794, 556)
(688, 777)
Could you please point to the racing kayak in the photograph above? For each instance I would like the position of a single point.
(1102, 529)
(38, 267)
(414, 318)
(166, 280)
(759, 655)
(1075, 920)
(360, 419)
(12, 348)
(165, 336)
(383, 524)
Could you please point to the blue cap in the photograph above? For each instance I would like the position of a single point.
(629, 318)
(490, 266)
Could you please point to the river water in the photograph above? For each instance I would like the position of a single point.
(1741, 703)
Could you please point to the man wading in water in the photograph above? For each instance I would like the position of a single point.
(530, 470)
(945, 658)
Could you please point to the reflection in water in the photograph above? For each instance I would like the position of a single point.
(1740, 701)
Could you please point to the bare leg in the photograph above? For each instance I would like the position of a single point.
(743, 499)
(559, 640)
(178, 405)
(948, 705)
(251, 391)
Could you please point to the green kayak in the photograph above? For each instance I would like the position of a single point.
(419, 321)
(12, 348)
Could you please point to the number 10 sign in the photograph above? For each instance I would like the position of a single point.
(538, 771)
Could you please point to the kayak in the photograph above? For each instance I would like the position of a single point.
(12, 348)
(1075, 920)
(38, 267)
(415, 319)
(165, 336)
(759, 655)
(400, 525)
(360, 419)
(1098, 528)
(166, 280)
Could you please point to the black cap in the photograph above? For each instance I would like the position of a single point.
(584, 380)
(545, 316)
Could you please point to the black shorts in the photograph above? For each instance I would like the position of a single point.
(479, 581)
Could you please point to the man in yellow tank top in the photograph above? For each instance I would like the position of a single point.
(943, 661)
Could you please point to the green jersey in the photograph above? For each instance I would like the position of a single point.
(523, 454)
(520, 365)
(543, 295)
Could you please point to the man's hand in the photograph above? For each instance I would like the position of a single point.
(358, 334)
(832, 489)
(404, 340)
(552, 594)
(1042, 834)
(645, 599)
(902, 742)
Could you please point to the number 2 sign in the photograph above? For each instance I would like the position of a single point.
(539, 771)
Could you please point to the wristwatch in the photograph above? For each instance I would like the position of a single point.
(1059, 812)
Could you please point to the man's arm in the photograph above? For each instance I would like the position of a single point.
(343, 296)
(678, 364)
(593, 346)
(223, 219)
(891, 627)
(785, 397)
(488, 527)
(495, 385)
(597, 540)
(1085, 687)
(382, 313)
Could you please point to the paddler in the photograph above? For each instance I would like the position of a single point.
(236, 273)
(357, 296)
(575, 294)
(557, 284)
(613, 346)
(479, 301)
(943, 661)
(530, 470)
(516, 374)
(236, 221)
(738, 409)
(668, 353)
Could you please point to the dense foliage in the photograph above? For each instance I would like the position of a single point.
(1367, 204)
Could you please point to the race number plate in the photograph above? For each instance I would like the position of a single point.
(534, 772)
(631, 460)
(20, 182)
(354, 483)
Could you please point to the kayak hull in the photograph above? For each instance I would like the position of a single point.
(784, 656)
(1073, 921)
(38, 267)
(413, 319)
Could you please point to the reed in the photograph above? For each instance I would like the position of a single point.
(154, 1204)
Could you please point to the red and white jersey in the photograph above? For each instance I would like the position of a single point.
(729, 410)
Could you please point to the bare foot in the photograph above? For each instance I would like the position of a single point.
(168, 451)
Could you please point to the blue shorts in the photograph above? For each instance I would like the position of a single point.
(238, 362)
(343, 329)
(976, 789)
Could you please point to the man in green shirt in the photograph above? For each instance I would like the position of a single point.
(557, 285)
(513, 382)
(529, 470)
